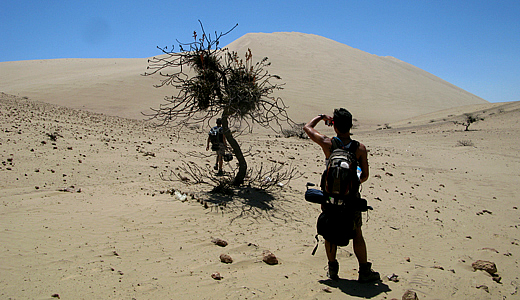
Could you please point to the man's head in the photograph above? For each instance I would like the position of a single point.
(219, 121)
(342, 120)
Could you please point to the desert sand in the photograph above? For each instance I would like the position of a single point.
(89, 214)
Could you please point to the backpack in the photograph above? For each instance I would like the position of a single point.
(340, 187)
(215, 137)
(336, 225)
(340, 179)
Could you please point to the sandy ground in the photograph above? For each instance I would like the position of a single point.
(87, 216)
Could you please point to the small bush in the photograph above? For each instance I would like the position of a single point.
(295, 130)
(468, 143)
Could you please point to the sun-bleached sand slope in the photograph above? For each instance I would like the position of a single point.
(321, 72)
(110, 86)
(317, 72)
(88, 216)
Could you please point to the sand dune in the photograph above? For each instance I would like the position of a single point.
(376, 89)
(317, 72)
(88, 216)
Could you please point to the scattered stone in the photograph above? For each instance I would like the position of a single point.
(438, 267)
(56, 296)
(219, 242)
(393, 277)
(216, 276)
(226, 258)
(54, 136)
(183, 178)
(496, 278)
(70, 189)
(407, 259)
(484, 287)
(270, 258)
(491, 249)
(327, 290)
(148, 153)
(483, 265)
(410, 295)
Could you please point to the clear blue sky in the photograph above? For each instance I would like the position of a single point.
(472, 44)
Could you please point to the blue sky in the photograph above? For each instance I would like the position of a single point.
(472, 44)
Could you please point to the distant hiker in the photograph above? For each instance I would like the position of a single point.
(342, 122)
(218, 144)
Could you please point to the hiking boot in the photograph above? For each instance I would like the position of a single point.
(333, 270)
(220, 173)
(366, 274)
(215, 167)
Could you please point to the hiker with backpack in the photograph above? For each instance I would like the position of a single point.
(340, 186)
(218, 144)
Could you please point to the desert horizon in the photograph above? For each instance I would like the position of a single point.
(93, 205)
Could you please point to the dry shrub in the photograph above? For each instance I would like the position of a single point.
(468, 143)
(295, 130)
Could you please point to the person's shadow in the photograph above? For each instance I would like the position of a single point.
(356, 289)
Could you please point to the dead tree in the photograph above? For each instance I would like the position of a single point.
(215, 82)
(468, 120)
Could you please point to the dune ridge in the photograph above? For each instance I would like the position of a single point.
(316, 71)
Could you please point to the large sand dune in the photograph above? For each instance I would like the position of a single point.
(318, 72)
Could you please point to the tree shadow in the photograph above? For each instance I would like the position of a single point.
(256, 198)
(356, 289)
(249, 202)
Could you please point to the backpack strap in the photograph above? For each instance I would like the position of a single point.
(337, 143)
(317, 244)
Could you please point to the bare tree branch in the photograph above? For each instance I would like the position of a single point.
(214, 82)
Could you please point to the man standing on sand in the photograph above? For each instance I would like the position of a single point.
(342, 122)
(218, 144)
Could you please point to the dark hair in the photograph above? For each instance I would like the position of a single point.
(219, 121)
(342, 120)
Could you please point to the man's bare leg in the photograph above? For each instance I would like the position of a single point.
(331, 250)
(366, 274)
(360, 248)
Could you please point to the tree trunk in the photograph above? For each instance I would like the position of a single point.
(242, 164)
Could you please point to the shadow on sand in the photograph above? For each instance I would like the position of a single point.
(249, 202)
(356, 289)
